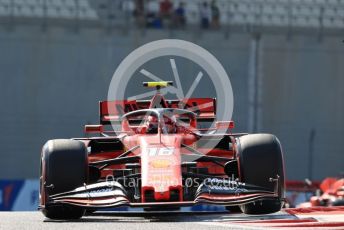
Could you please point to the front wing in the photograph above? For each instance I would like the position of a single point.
(212, 191)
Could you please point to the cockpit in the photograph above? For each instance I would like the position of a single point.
(159, 120)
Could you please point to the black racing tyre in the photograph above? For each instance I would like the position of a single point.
(260, 158)
(64, 167)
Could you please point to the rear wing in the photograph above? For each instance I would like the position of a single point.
(112, 111)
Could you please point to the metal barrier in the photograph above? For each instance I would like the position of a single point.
(19, 195)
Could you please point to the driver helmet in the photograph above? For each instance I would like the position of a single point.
(152, 124)
(169, 124)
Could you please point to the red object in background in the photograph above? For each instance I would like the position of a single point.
(7, 194)
(332, 193)
(302, 186)
(300, 191)
(327, 183)
(332, 185)
(165, 7)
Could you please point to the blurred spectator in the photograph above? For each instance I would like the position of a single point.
(139, 12)
(215, 15)
(205, 15)
(152, 16)
(129, 9)
(179, 16)
(139, 7)
(166, 8)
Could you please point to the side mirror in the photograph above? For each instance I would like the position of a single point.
(224, 125)
(94, 129)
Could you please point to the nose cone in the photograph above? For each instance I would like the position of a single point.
(162, 195)
(160, 167)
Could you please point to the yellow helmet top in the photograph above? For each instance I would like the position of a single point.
(157, 84)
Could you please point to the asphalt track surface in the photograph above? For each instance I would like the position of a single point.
(134, 220)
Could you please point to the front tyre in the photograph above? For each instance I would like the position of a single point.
(260, 158)
(64, 166)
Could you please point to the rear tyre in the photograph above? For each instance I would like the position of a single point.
(260, 158)
(64, 167)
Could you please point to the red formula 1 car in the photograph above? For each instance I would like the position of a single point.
(329, 193)
(160, 159)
